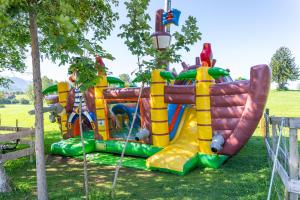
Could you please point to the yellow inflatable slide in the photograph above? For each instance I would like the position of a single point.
(181, 155)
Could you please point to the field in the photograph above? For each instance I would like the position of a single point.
(244, 177)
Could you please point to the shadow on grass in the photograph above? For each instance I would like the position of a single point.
(244, 176)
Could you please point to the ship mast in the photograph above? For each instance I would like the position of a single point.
(168, 28)
(167, 8)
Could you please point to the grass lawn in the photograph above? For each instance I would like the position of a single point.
(244, 177)
(284, 103)
(22, 96)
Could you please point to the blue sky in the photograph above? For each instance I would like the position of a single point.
(243, 34)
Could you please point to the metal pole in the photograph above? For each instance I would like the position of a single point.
(167, 8)
(168, 28)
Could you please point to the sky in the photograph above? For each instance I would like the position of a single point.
(243, 33)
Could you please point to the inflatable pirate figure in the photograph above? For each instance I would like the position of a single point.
(87, 105)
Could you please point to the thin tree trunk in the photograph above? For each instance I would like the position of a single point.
(38, 107)
(86, 187)
(4, 182)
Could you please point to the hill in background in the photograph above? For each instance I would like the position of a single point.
(18, 85)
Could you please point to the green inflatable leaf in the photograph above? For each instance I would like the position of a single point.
(187, 75)
(217, 72)
(50, 89)
(115, 80)
(167, 75)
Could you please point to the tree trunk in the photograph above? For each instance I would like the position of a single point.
(4, 182)
(86, 188)
(282, 86)
(38, 107)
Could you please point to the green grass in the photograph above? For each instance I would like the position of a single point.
(22, 96)
(284, 103)
(243, 177)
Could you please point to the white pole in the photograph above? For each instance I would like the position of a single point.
(167, 8)
(168, 28)
(119, 164)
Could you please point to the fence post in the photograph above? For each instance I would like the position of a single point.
(274, 137)
(293, 159)
(267, 122)
(31, 145)
(17, 125)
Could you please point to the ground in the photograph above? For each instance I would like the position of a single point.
(243, 177)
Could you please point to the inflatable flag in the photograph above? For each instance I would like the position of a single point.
(171, 17)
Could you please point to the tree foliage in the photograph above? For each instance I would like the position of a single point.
(284, 68)
(66, 29)
(137, 36)
(55, 29)
(86, 70)
(46, 82)
(125, 78)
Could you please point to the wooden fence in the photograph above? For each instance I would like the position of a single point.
(287, 163)
(24, 135)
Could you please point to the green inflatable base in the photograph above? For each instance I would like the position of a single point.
(72, 147)
(201, 160)
(132, 148)
(188, 166)
(211, 161)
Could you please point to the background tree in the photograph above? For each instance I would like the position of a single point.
(86, 76)
(284, 68)
(29, 92)
(137, 36)
(125, 78)
(5, 82)
(57, 30)
(46, 82)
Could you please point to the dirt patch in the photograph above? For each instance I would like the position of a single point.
(56, 159)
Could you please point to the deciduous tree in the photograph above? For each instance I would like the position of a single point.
(57, 30)
(284, 68)
(137, 36)
(46, 82)
(125, 78)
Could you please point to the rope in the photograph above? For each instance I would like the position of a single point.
(275, 160)
(86, 187)
(124, 148)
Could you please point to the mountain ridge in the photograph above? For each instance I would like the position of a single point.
(18, 85)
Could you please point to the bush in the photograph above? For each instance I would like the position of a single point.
(5, 101)
(11, 97)
(282, 88)
(15, 101)
(18, 92)
(24, 101)
(2, 106)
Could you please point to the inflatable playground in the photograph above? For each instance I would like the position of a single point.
(198, 118)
